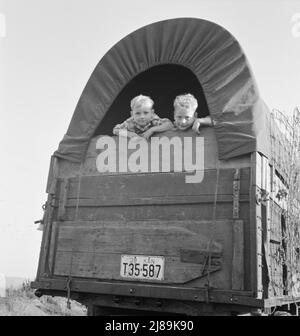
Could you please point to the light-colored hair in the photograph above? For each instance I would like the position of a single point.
(140, 101)
(186, 101)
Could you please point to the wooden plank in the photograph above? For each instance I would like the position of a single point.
(155, 200)
(253, 260)
(159, 212)
(151, 185)
(90, 168)
(266, 227)
(258, 169)
(43, 268)
(259, 264)
(238, 255)
(269, 178)
(134, 238)
(185, 293)
(259, 185)
(165, 238)
(53, 247)
(107, 266)
(236, 194)
(264, 172)
(261, 169)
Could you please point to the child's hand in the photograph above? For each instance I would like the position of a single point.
(147, 134)
(196, 126)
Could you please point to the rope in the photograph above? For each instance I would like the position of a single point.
(211, 231)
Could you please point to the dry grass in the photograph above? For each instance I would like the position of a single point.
(23, 302)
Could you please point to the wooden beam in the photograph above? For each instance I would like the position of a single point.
(238, 255)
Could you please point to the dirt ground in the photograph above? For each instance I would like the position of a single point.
(23, 302)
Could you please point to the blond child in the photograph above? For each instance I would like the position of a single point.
(143, 121)
(185, 115)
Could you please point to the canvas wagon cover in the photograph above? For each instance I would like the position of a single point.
(210, 52)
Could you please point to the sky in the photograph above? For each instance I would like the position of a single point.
(48, 50)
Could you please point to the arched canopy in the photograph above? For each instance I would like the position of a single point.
(190, 55)
(162, 83)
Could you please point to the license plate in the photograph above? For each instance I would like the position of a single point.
(142, 267)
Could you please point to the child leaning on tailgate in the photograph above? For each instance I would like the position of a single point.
(143, 121)
(185, 115)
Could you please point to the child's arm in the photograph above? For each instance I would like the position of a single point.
(164, 126)
(122, 130)
(125, 133)
(206, 121)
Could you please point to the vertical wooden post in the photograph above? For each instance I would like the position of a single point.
(259, 225)
(266, 223)
(255, 226)
(238, 255)
(237, 273)
(43, 269)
